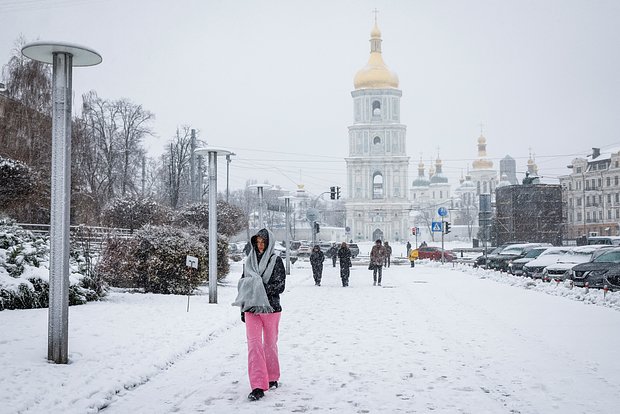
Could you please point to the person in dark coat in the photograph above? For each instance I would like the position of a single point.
(259, 290)
(316, 260)
(388, 254)
(377, 258)
(344, 255)
(333, 253)
(408, 248)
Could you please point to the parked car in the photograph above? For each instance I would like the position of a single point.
(604, 269)
(304, 250)
(552, 255)
(481, 260)
(325, 246)
(608, 240)
(434, 253)
(281, 251)
(515, 267)
(355, 250)
(501, 260)
(561, 269)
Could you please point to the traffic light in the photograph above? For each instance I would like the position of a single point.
(316, 227)
(446, 227)
(413, 231)
(332, 194)
(338, 193)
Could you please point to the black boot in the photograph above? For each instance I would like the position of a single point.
(256, 394)
(273, 384)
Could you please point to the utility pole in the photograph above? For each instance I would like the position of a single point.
(192, 169)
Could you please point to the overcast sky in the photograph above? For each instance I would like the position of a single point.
(276, 76)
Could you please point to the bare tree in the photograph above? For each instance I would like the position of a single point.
(176, 164)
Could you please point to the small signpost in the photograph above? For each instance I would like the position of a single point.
(192, 263)
(442, 211)
(436, 226)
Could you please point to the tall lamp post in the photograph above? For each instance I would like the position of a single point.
(287, 237)
(212, 153)
(62, 56)
(260, 188)
(228, 172)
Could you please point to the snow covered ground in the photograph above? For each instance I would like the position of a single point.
(442, 339)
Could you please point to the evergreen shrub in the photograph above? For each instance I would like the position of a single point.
(24, 271)
(154, 260)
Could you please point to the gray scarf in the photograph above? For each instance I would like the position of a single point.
(251, 294)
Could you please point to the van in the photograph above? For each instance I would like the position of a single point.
(607, 240)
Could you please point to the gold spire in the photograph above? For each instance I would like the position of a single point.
(376, 74)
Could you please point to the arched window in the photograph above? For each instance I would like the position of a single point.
(376, 108)
(376, 140)
(377, 185)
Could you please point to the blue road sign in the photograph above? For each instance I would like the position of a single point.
(442, 211)
(436, 226)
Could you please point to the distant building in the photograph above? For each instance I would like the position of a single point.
(508, 169)
(592, 194)
(377, 204)
(528, 213)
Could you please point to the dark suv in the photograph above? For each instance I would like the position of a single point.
(481, 261)
(604, 269)
(510, 253)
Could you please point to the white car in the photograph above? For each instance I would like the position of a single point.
(550, 256)
(561, 269)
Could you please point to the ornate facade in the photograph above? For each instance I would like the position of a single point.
(377, 165)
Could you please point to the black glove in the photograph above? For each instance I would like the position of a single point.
(243, 317)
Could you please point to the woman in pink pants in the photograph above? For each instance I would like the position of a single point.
(258, 296)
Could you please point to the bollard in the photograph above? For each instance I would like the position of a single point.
(587, 287)
(605, 290)
(572, 284)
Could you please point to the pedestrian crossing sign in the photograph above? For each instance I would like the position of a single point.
(436, 226)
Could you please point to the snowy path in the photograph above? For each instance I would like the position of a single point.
(430, 340)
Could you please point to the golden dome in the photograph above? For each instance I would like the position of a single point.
(483, 164)
(482, 139)
(376, 74)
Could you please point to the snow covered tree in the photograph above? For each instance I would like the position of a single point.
(134, 212)
(16, 183)
(154, 260)
(230, 219)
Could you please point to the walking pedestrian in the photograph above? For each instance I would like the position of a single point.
(388, 254)
(377, 257)
(316, 260)
(408, 248)
(413, 256)
(258, 296)
(333, 253)
(344, 254)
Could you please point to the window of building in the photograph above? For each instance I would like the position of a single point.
(609, 198)
(570, 186)
(600, 182)
(600, 199)
(618, 213)
(578, 170)
(617, 197)
(376, 105)
(587, 216)
(608, 181)
(579, 216)
(587, 201)
(570, 202)
(587, 184)
(616, 164)
(579, 201)
(578, 185)
(600, 215)
(377, 185)
(376, 140)
(609, 214)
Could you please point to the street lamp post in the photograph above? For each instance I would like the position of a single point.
(212, 153)
(260, 188)
(228, 172)
(62, 56)
(287, 238)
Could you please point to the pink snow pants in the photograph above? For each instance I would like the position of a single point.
(262, 333)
